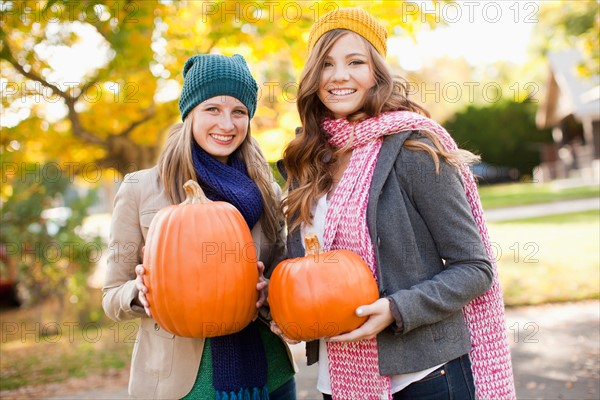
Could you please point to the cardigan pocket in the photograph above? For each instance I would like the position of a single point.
(156, 346)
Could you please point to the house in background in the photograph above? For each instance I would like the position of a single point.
(571, 108)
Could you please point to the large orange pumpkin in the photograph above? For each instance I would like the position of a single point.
(200, 267)
(317, 295)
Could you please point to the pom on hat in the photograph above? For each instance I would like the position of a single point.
(356, 20)
(210, 75)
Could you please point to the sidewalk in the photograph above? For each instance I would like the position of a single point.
(555, 351)
(538, 210)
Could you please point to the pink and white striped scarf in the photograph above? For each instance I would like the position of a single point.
(353, 366)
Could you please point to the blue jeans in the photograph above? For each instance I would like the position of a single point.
(452, 381)
(286, 392)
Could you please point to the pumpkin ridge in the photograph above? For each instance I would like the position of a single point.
(225, 268)
(314, 283)
(209, 306)
(157, 249)
(168, 242)
(223, 274)
(189, 308)
(250, 266)
(288, 306)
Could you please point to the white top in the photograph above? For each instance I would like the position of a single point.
(397, 382)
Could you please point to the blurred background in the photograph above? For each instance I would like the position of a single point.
(90, 88)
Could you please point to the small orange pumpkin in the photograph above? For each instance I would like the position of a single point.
(317, 295)
(200, 267)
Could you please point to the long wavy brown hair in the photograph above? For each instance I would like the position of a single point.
(308, 158)
(176, 166)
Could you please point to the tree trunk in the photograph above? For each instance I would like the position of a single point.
(125, 156)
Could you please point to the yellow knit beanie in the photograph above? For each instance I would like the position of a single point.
(356, 20)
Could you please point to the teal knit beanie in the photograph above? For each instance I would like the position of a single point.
(210, 75)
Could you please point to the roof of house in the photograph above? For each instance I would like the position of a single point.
(567, 92)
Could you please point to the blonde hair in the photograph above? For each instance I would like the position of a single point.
(309, 156)
(176, 166)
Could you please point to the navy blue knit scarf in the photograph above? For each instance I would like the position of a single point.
(239, 360)
(228, 182)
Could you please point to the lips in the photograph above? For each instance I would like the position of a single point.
(222, 139)
(342, 92)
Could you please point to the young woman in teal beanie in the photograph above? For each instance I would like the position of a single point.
(213, 146)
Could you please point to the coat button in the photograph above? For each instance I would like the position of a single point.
(156, 327)
(378, 242)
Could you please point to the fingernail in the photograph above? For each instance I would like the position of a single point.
(359, 312)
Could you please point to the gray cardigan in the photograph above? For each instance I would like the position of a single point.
(431, 260)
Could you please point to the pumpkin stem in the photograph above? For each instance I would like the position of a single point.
(311, 242)
(194, 193)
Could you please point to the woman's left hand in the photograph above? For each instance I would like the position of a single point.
(262, 286)
(380, 317)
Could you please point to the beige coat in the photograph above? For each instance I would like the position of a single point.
(163, 365)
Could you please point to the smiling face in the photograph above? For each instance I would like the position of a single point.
(346, 76)
(220, 125)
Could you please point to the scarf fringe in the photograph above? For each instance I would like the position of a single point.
(244, 394)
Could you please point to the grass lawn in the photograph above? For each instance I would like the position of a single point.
(515, 194)
(548, 259)
(35, 348)
(37, 359)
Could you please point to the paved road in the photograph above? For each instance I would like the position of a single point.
(555, 350)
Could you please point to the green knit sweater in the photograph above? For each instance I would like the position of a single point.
(279, 367)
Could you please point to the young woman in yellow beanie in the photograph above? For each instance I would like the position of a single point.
(214, 147)
(371, 173)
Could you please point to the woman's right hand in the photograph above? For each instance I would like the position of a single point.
(276, 330)
(142, 290)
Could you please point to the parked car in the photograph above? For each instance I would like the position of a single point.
(8, 279)
(488, 173)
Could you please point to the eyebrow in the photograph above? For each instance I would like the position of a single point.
(220, 103)
(350, 55)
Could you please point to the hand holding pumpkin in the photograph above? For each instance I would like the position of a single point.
(142, 289)
(277, 330)
(262, 287)
(379, 317)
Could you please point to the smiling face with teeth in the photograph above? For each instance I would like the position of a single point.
(346, 76)
(220, 125)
